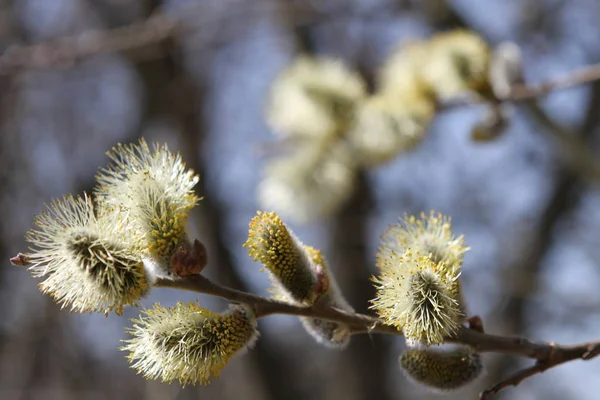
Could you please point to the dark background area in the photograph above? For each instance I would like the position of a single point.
(531, 220)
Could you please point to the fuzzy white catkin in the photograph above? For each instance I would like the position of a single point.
(311, 184)
(150, 190)
(384, 127)
(312, 97)
(418, 287)
(187, 343)
(457, 61)
(83, 258)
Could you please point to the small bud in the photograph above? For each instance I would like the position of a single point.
(323, 280)
(284, 257)
(83, 259)
(152, 193)
(492, 125)
(313, 97)
(476, 324)
(441, 369)
(187, 343)
(19, 260)
(331, 334)
(189, 260)
(506, 69)
(418, 296)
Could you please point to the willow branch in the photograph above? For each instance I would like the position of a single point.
(546, 354)
(360, 323)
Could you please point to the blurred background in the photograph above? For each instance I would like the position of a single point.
(531, 219)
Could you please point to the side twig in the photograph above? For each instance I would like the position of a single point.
(584, 352)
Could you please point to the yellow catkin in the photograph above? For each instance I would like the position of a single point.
(441, 369)
(430, 234)
(282, 254)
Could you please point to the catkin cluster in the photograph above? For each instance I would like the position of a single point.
(322, 108)
(106, 253)
(102, 254)
(418, 291)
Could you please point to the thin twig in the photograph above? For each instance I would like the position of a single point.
(576, 77)
(558, 355)
(513, 380)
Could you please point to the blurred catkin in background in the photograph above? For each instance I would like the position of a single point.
(529, 216)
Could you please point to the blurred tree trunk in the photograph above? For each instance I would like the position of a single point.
(272, 368)
(366, 360)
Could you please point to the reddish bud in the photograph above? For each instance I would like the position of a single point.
(188, 261)
(19, 260)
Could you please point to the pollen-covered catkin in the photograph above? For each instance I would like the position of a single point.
(313, 98)
(418, 296)
(187, 343)
(441, 369)
(151, 191)
(83, 258)
(299, 275)
(284, 257)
